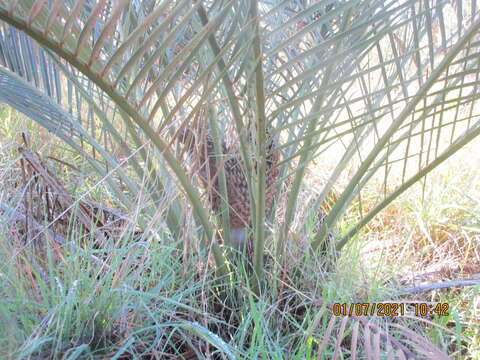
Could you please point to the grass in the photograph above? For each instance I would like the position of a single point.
(151, 296)
(432, 234)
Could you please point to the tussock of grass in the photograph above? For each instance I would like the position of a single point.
(148, 295)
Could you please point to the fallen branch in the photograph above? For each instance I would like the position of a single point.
(439, 285)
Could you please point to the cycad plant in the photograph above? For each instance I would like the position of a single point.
(389, 85)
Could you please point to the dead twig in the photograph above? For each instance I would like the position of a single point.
(16, 215)
(439, 285)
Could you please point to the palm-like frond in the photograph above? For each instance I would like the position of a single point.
(379, 75)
